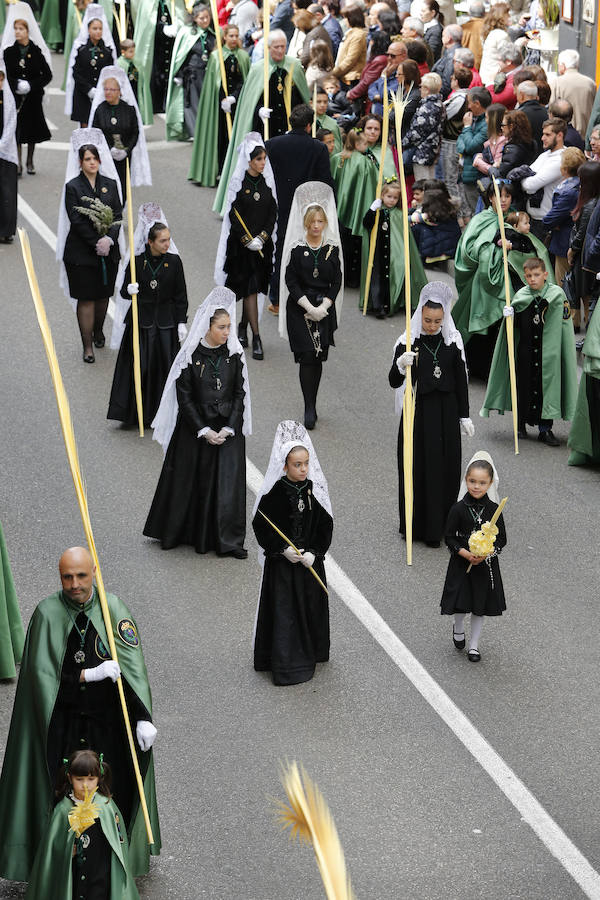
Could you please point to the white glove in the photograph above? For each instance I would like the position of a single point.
(109, 669)
(508, 312)
(213, 438)
(597, 276)
(320, 312)
(145, 733)
(264, 113)
(225, 433)
(118, 154)
(103, 245)
(178, 81)
(182, 332)
(407, 359)
(170, 31)
(375, 205)
(255, 244)
(308, 559)
(311, 311)
(133, 288)
(466, 427)
(23, 87)
(92, 93)
(291, 555)
(227, 103)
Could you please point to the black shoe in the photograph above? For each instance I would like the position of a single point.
(459, 643)
(434, 544)
(30, 169)
(89, 357)
(238, 553)
(8, 239)
(522, 433)
(99, 341)
(474, 656)
(548, 438)
(243, 334)
(257, 347)
(310, 419)
(379, 313)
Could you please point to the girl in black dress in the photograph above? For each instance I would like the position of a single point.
(245, 254)
(28, 72)
(439, 379)
(308, 311)
(88, 58)
(201, 424)
(473, 583)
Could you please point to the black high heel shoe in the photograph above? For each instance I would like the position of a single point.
(88, 357)
(257, 347)
(243, 334)
(99, 340)
(30, 169)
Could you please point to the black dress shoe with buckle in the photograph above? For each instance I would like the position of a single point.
(548, 438)
(474, 656)
(257, 347)
(459, 642)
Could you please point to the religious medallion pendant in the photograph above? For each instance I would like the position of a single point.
(79, 657)
(256, 195)
(536, 319)
(437, 372)
(301, 505)
(154, 284)
(218, 384)
(315, 272)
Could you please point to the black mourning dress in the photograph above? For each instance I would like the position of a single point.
(120, 128)
(161, 59)
(439, 404)
(302, 282)
(528, 360)
(91, 864)
(292, 629)
(481, 591)
(28, 63)
(235, 83)
(88, 715)
(91, 277)
(193, 71)
(201, 494)
(89, 62)
(248, 272)
(8, 187)
(162, 305)
(379, 292)
(278, 121)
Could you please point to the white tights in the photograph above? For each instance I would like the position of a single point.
(476, 626)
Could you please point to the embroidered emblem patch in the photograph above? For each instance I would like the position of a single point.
(101, 651)
(566, 310)
(128, 633)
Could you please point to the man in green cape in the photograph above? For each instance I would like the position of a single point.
(66, 700)
(545, 359)
(150, 15)
(12, 635)
(211, 138)
(325, 121)
(251, 105)
(584, 439)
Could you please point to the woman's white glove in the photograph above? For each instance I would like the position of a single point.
(170, 31)
(255, 244)
(291, 555)
(508, 312)
(225, 432)
(118, 154)
(92, 93)
(308, 559)
(375, 205)
(264, 113)
(178, 80)
(466, 427)
(109, 669)
(310, 310)
(133, 288)
(407, 359)
(103, 245)
(145, 733)
(182, 332)
(227, 104)
(320, 312)
(23, 86)
(212, 437)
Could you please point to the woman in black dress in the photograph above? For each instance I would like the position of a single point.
(201, 424)
(162, 313)
(117, 120)
(245, 254)
(28, 72)
(88, 58)
(8, 161)
(311, 293)
(91, 255)
(439, 377)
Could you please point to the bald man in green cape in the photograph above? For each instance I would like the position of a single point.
(66, 700)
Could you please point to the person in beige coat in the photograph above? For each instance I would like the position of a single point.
(578, 89)
(352, 54)
(472, 31)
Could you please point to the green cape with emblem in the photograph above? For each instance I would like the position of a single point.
(185, 40)
(12, 635)
(355, 188)
(329, 123)
(25, 788)
(143, 35)
(204, 165)
(418, 278)
(52, 874)
(584, 442)
(559, 362)
(479, 274)
(251, 97)
(72, 29)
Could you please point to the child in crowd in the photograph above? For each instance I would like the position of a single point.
(125, 61)
(516, 228)
(473, 583)
(435, 229)
(355, 179)
(320, 63)
(325, 121)
(326, 137)
(339, 107)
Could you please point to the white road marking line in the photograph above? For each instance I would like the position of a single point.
(542, 824)
(51, 125)
(54, 91)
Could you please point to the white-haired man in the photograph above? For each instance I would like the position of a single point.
(578, 89)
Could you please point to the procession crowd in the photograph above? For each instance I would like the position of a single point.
(315, 134)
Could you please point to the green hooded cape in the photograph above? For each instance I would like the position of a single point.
(143, 35)
(12, 635)
(329, 123)
(418, 278)
(50, 23)
(479, 274)
(559, 362)
(185, 40)
(251, 96)
(25, 788)
(52, 874)
(204, 165)
(583, 442)
(355, 188)
(72, 30)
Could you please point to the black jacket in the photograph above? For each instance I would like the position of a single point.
(296, 157)
(166, 305)
(537, 115)
(126, 125)
(80, 246)
(31, 124)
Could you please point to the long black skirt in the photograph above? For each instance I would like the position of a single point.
(292, 629)
(480, 591)
(158, 349)
(200, 498)
(8, 198)
(436, 464)
(92, 282)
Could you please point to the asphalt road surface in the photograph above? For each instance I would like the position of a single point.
(446, 780)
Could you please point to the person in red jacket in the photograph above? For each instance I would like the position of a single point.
(502, 90)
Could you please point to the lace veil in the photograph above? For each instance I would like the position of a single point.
(93, 11)
(23, 11)
(8, 141)
(493, 491)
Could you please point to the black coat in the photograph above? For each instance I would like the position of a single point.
(537, 115)
(248, 272)
(480, 591)
(80, 246)
(31, 124)
(295, 158)
(433, 37)
(584, 281)
(124, 131)
(302, 283)
(85, 76)
(161, 58)
(292, 629)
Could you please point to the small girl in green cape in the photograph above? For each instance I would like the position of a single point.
(84, 853)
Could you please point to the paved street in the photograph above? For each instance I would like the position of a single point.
(418, 816)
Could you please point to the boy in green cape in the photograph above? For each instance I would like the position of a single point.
(584, 439)
(325, 121)
(12, 635)
(545, 360)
